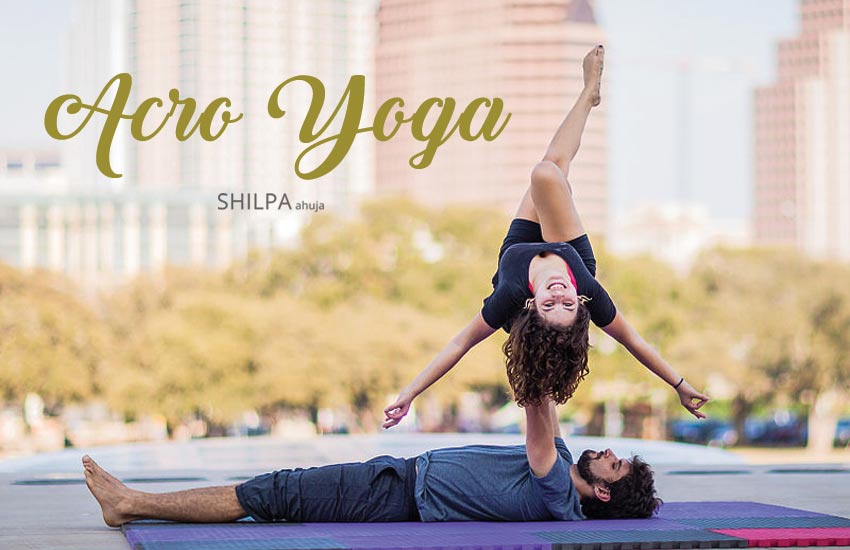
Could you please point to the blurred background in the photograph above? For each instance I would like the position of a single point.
(714, 180)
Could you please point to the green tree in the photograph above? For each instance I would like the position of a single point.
(779, 316)
(52, 343)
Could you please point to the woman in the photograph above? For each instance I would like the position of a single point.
(545, 291)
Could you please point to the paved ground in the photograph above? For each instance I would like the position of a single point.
(67, 517)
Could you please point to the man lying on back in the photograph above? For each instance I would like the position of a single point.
(537, 481)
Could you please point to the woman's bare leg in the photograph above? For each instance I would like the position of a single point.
(121, 504)
(553, 200)
(567, 139)
(549, 199)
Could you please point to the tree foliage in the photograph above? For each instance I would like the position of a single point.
(361, 304)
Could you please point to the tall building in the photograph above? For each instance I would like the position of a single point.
(802, 137)
(527, 52)
(29, 179)
(97, 50)
(164, 209)
(96, 236)
(242, 50)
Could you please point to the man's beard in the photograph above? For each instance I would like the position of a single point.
(583, 464)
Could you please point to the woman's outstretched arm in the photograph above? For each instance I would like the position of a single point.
(474, 332)
(623, 332)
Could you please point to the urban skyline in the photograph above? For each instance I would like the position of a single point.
(164, 209)
(649, 44)
(265, 162)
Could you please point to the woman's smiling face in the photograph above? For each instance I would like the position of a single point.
(556, 300)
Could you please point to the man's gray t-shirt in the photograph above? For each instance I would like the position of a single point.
(494, 483)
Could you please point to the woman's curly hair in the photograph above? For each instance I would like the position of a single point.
(544, 360)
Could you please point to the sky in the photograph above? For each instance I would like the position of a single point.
(32, 34)
(659, 113)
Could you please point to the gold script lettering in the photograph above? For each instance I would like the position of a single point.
(115, 113)
(353, 100)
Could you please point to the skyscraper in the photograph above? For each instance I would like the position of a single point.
(164, 208)
(802, 137)
(527, 52)
(243, 51)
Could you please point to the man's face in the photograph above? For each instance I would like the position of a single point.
(602, 467)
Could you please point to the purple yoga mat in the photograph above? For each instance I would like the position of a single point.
(703, 510)
(668, 529)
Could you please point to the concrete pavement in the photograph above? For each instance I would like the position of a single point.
(66, 516)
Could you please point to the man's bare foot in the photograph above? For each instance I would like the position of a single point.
(592, 66)
(113, 496)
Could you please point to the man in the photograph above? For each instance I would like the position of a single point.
(534, 482)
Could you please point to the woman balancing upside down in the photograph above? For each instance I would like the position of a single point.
(545, 292)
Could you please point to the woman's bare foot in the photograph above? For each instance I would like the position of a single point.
(113, 496)
(592, 66)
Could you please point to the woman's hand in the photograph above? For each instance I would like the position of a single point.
(475, 331)
(691, 399)
(397, 410)
(620, 330)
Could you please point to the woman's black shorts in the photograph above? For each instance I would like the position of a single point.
(527, 231)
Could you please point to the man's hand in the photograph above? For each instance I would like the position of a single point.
(397, 410)
(691, 399)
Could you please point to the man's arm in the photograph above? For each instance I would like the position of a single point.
(556, 424)
(540, 437)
